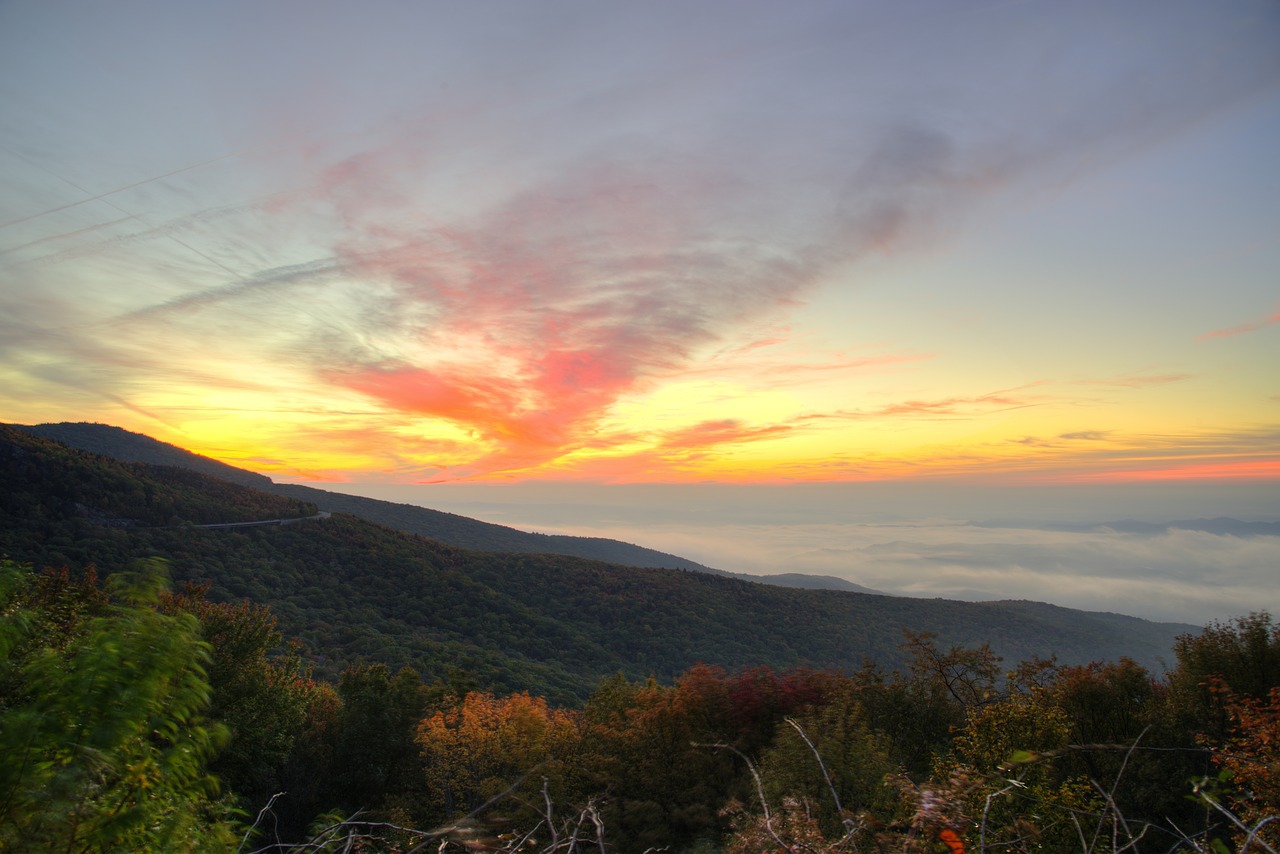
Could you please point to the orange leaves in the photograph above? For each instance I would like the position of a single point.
(475, 750)
(1251, 755)
(951, 840)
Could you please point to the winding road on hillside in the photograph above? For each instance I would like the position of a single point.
(323, 514)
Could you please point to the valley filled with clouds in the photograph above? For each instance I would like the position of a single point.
(1085, 556)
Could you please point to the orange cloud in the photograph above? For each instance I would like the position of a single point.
(711, 434)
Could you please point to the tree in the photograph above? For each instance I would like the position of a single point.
(487, 745)
(1244, 654)
(104, 742)
(1251, 761)
(375, 737)
(967, 676)
(259, 691)
(666, 777)
(831, 760)
(1020, 794)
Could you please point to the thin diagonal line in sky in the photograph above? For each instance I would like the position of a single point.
(103, 196)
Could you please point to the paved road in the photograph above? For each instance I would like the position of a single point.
(323, 514)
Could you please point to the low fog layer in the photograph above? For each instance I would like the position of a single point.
(867, 534)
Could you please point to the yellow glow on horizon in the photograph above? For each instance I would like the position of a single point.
(669, 406)
(728, 426)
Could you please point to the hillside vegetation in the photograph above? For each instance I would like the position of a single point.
(354, 591)
(448, 528)
(558, 704)
(133, 718)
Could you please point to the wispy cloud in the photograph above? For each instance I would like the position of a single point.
(1242, 329)
(1113, 456)
(492, 258)
(1134, 380)
(769, 369)
(311, 272)
(946, 408)
(1059, 440)
(533, 319)
(712, 434)
(1086, 435)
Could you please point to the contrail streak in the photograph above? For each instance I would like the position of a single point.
(101, 196)
(66, 234)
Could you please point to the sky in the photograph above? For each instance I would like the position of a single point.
(827, 254)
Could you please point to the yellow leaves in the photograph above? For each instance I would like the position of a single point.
(477, 749)
(143, 773)
(1016, 725)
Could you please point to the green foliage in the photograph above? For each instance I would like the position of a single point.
(260, 692)
(373, 741)
(1220, 670)
(104, 741)
(661, 766)
(1022, 796)
(1245, 654)
(656, 751)
(833, 760)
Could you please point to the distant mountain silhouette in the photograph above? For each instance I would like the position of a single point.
(449, 528)
(1222, 525)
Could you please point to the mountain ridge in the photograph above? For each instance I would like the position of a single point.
(354, 591)
(451, 528)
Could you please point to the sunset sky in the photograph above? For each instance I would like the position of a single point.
(1032, 243)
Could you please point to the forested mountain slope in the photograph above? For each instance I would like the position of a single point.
(449, 528)
(133, 447)
(356, 591)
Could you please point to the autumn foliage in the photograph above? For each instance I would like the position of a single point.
(168, 694)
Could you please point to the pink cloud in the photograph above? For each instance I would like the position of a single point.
(1242, 329)
(710, 434)
(567, 296)
(525, 317)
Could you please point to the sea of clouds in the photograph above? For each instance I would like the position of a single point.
(1066, 546)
